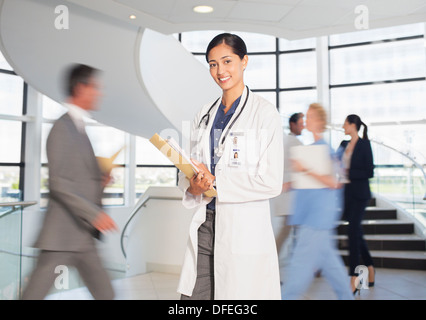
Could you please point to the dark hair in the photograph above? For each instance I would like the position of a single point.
(295, 117)
(235, 42)
(78, 74)
(353, 118)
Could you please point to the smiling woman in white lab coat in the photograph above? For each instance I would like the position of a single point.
(231, 251)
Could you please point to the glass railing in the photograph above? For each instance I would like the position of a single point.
(400, 178)
(399, 175)
(11, 255)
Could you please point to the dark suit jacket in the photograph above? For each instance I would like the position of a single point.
(75, 183)
(361, 169)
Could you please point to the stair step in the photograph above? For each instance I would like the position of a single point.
(375, 213)
(382, 226)
(407, 242)
(413, 260)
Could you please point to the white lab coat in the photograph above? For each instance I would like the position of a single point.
(245, 254)
(281, 205)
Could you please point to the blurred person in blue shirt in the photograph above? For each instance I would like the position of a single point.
(315, 213)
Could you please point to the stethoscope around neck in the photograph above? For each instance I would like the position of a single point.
(206, 118)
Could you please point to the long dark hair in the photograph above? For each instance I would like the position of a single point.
(235, 42)
(353, 118)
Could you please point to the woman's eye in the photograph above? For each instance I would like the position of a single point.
(212, 65)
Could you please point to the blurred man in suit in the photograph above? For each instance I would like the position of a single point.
(74, 218)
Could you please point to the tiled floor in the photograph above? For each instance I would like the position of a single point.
(391, 284)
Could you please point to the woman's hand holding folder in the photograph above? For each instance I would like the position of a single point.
(202, 181)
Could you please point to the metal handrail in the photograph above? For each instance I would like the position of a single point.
(15, 206)
(135, 210)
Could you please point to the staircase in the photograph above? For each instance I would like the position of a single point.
(392, 242)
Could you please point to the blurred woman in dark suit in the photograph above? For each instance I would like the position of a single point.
(357, 160)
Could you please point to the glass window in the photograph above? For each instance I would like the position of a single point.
(147, 153)
(10, 141)
(4, 64)
(377, 34)
(9, 184)
(11, 94)
(114, 191)
(197, 41)
(287, 45)
(298, 70)
(106, 141)
(261, 72)
(146, 176)
(256, 42)
(296, 101)
(52, 109)
(380, 102)
(378, 62)
(270, 96)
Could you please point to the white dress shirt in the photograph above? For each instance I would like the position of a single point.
(78, 115)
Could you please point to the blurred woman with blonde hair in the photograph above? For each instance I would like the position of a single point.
(315, 214)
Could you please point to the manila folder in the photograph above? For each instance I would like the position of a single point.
(178, 159)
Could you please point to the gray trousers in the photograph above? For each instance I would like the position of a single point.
(88, 265)
(204, 285)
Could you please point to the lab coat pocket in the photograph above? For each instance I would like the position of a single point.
(250, 228)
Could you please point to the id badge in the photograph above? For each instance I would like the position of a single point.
(237, 149)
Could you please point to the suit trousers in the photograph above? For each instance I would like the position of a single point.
(87, 263)
(354, 213)
(204, 285)
(315, 250)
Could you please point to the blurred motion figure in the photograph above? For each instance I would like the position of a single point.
(74, 218)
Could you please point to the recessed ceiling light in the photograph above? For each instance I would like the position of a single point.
(203, 9)
(132, 17)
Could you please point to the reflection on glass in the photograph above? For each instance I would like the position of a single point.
(10, 141)
(260, 72)
(378, 62)
(146, 177)
(11, 94)
(9, 184)
(298, 70)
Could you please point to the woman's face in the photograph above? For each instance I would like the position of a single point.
(226, 68)
(313, 122)
(349, 127)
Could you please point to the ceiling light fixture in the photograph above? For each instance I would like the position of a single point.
(132, 17)
(203, 9)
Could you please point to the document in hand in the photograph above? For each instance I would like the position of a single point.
(171, 149)
(106, 164)
(314, 158)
